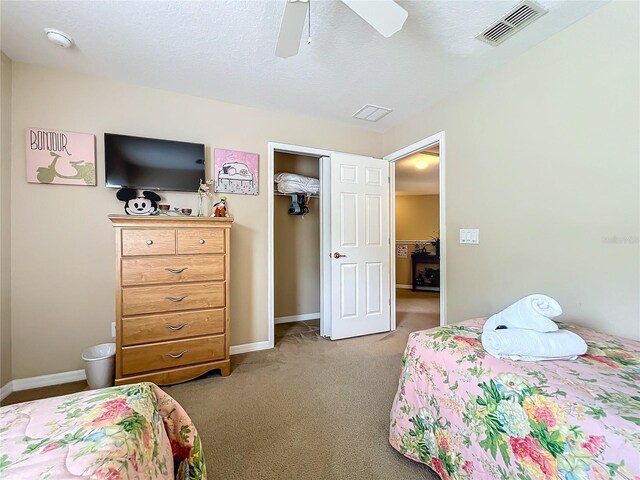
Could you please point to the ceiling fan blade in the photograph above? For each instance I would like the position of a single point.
(386, 16)
(295, 13)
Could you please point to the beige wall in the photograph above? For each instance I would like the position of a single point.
(417, 218)
(542, 155)
(297, 245)
(5, 220)
(63, 245)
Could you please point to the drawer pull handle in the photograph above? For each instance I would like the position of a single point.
(176, 270)
(176, 327)
(149, 242)
(176, 355)
(201, 241)
(176, 299)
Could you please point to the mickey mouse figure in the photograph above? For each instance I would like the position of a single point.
(135, 205)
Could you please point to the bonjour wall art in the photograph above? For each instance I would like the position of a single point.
(235, 172)
(65, 158)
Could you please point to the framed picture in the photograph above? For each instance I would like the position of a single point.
(235, 172)
(64, 158)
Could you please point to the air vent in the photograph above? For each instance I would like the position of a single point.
(371, 113)
(516, 19)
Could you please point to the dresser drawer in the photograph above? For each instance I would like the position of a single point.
(148, 241)
(200, 240)
(183, 268)
(172, 326)
(159, 356)
(170, 298)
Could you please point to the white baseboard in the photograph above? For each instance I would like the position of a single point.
(6, 390)
(20, 384)
(404, 287)
(297, 318)
(76, 375)
(48, 380)
(249, 347)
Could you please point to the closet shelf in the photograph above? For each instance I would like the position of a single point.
(297, 193)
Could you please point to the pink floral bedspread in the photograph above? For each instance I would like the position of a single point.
(469, 415)
(128, 432)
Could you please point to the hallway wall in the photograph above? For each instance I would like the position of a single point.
(417, 218)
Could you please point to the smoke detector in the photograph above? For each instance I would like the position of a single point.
(58, 38)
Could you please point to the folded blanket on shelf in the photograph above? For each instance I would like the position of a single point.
(533, 312)
(291, 183)
(519, 344)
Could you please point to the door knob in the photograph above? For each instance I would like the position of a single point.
(338, 255)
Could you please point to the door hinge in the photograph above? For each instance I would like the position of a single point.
(388, 179)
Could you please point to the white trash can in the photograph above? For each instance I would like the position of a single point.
(99, 364)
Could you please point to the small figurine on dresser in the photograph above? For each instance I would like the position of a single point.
(220, 208)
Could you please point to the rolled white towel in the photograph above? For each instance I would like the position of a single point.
(533, 313)
(517, 344)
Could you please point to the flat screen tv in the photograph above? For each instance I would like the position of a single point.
(152, 164)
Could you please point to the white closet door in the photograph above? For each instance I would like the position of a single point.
(359, 245)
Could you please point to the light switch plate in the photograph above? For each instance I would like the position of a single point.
(470, 236)
(113, 329)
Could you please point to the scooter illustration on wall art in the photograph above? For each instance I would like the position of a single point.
(84, 171)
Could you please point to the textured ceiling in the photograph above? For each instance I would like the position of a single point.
(224, 49)
(411, 180)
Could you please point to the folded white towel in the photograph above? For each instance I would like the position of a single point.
(533, 313)
(518, 344)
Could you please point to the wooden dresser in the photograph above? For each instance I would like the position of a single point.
(172, 297)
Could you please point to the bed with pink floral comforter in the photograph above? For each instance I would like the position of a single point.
(469, 415)
(132, 431)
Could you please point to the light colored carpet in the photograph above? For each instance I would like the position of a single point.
(309, 408)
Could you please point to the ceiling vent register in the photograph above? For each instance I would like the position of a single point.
(515, 20)
(371, 113)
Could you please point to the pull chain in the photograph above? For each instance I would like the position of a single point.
(309, 38)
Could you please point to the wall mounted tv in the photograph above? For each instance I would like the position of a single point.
(152, 164)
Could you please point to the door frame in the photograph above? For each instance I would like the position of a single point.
(274, 147)
(438, 138)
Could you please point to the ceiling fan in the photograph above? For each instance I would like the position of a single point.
(386, 16)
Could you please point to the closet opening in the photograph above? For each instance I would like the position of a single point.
(297, 295)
